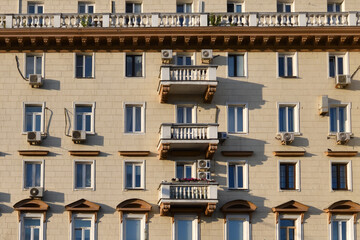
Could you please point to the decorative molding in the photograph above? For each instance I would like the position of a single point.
(341, 153)
(238, 206)
(164, 93)
(237, 153)
(343, 207)
(290, 207)
(164, 209)
(134, 205)
(31, 205)
(163, 151)
(82, 205)
(84, 153)
(289, 153)
(211, 151)
(209, 94)
(33, 152)
(134, 153)
(210, 208)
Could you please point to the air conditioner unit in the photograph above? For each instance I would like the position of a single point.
(79, 136)
(222, 136)
(203, 164)
(341, 81)
(206, 55)
(35, 80)
(166, 56)
(323, 104)
(204, 175)
(286, 138)
(36, 192)
(342, 137)
(34, 137)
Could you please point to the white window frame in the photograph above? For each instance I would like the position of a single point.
(92, 63)
(42, 231)
(36, 5)
(92, 187)
(143, 63)
(90, 216)
(37, 104)
(349, 180)
(86, 4)
(193, 165)
(296, 106)
(285, 3)
(350, 225)
(133, 4)
(42, 55)
(85, 104)
(246, 225)
(295, 66)
(297, 175)
(333, 3)
(185, 54)
(195, 225)
(245, 117)
(245, 165)
(140, 163)
(193, 112)
(348, 116)
(143, 225)
(346, 62)
(42, 172)
(245, 54)
(298, 225)
(184, 2)
(143, 117)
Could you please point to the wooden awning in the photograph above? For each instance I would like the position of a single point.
(31, 205)
(238, 206)
(83, 206)
(343, 207)
(290, 207)
(134, 206)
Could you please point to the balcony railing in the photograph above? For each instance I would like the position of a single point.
(194, 131)
(188, 73)
(119, 20)
(188, 191)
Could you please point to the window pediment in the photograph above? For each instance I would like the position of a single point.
(134, 205)
(343, 207)
(290, 207)
(31, 205)
(82, 205)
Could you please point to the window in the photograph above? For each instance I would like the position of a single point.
(236, 65)
(185, 170)
(86, 7)
(134, 118)
(33, 174)
(338, 64)
(288, 117)
(237, 118)
(340, 118)
(283, 7)
(83, 227)
(287, 65)
(334, 7)
(287, 229)
(238, 175)
(35, 8)
(34, 117)
(33, 64)
(32, 226)
(185, 59)
(234, 7)
(342, 227)
(184, 8)
(84, 174)
(287, 176)
(84, 65)
(185, 227)
(133, 7)
(186, 114)
(237, 227)
(84, 117)
(133, 226)
(341, 175)
(134, 65)
(134, 174)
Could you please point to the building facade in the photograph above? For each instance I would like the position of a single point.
(180, 120)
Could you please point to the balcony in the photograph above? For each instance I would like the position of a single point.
(187, 196)
(187, 80)
(124, 20)
(188, 139)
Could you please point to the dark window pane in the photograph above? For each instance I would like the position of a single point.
(330, 8)
(137, 176)
(287, 223)
(231, 66)
(129, 119)
(290, 119)
(40, 9)
(137, 119)
(83, 109)
(332, 66)
(90, 9)
(231, 176)
(129, 8)
(31, 9)
(289, 66)
(279, 7)
(129, 66)
(180, 171)
(180, 8)
(88, 123)
(291, 176)
(188, 172)
(333, 120)
(129, 175)
(340, 66)
(231, 119)
(287, 8)
(238, 8)
(188, 115)
(343, 230)
(335, 230)
(29, 65)
(79, 66)
(282, 119)
(342, 117)
(138, 66)
(281, 66)
(230, 7)
(37, 123)
(88, 66)
(38, 64)
(240, 119)
(240, 177)
(337, 9)
(29, 182)
(79, 175)
(334, 177)
(282, 176)
(180, 115)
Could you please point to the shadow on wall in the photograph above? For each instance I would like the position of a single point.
(104, 209)
(51, 84)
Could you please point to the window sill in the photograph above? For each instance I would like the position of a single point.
(84, 77)
(42, 133)
(134, 133)
(289, 190)
(295, 133)
(237, 77)
(288, 77)
(341, 190)
(238, 133)
(134, 189)
(84, 189)
(134, 77)
(333, 134)
(238, 189)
